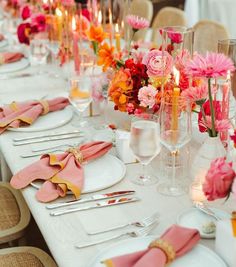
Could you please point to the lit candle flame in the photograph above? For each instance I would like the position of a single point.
(228, 75)
(58, 12)
(73, 24)
(99, 16)
(117, 28)
(176, 76)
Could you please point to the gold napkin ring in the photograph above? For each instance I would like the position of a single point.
(166, 247)
(45, 105)
(77, 154)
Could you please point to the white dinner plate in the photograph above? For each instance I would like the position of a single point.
(3, 43)
(199, 256)
(14, 66)
(100, 174)
(194, 218)
(49, 121)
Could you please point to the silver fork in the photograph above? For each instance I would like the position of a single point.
(142, 223)
(40, 154)
(138, 233)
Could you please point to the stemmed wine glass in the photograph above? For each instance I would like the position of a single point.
(145, 144)
(175, 120)
(54, 48)
(38, 52)
(80, 96)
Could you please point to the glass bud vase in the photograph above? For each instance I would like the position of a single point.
(211, 149)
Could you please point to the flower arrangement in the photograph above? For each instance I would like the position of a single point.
(212, 65)
(34, 22)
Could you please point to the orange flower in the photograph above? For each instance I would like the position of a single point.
(96, 34)
(105, 56)
(120, 88)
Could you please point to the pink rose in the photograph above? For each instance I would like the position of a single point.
(219, 179)
(158, 65)
(146, 96)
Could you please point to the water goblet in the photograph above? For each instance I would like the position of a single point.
(38, 53)
(80, 96)
(145, 144)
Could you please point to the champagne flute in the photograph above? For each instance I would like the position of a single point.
(80, 96)
(145, 144)
(175, 120)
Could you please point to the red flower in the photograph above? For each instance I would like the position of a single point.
(39, 21)
(175, 37)
(23, 33)
(207, 111)
(86, 14)
(26, 12)
(233, 137)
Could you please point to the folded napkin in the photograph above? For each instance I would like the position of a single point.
(1, 37)
(175, 242)
(61, 172)
(10, 57)
(19, 114)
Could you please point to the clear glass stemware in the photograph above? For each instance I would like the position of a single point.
(145, 144)
(175, 120)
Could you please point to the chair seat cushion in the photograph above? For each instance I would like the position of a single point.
(20, 259)
(9, 210)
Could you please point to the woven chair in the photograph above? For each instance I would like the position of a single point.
(167, 16)
(142, 8)
(206, 35)
(25, 257)
(14, 214)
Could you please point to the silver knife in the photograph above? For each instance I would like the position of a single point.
(15, 76)
(91, 198)
(45, 135)
(101, 204)
(45, 139)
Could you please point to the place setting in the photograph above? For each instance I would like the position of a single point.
(117, 133)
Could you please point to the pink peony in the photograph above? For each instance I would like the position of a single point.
(196, 94)
(219, 179)
(213, 65)
(136, 22)
(146, 96)
(155, 62)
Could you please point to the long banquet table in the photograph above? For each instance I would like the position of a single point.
(63, 232)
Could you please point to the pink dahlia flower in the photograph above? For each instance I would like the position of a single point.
(137, 23)
(219, 179)
(213, 65)
(158, 64)
(146, 96)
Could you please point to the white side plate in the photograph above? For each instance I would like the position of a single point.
(49, 121)
(100, 174)
(15, 66)
(199, 256)
(194, 218)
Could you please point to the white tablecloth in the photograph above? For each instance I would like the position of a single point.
(62, 233)
(222, 11)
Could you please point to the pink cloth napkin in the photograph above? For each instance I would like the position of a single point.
(1, 37)
(180, 238)
(10, 57)
(19, 114)
(61, 172)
